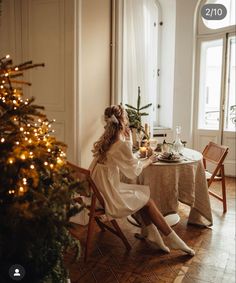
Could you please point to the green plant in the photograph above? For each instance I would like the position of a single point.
(135, 114)
(36, 185)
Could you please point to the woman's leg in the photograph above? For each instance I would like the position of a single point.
(151, 214)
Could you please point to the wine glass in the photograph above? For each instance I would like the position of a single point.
(153, 144)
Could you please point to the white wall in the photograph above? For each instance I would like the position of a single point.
(184, 62)
(94, 93)
(25, 36)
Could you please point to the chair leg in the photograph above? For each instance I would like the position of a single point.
(121, 235)
(99, 223)
(89, 237)
(90, 227)
(223, 189)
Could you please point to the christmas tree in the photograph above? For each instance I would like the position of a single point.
(36, 186)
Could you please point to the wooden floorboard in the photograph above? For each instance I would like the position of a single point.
(214, 260)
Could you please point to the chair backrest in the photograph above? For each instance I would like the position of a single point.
(215, 153)
(84, 174)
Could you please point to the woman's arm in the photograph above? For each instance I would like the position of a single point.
(128, 164)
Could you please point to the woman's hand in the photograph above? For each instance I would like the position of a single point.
(153, 158)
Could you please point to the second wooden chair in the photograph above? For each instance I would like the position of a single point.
(215, 155)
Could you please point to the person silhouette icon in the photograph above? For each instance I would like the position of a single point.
(17, 272)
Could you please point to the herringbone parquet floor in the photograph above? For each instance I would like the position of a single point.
(214, 260)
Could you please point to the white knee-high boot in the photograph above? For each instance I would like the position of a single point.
(178, 244)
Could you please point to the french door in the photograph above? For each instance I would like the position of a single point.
(215, 105)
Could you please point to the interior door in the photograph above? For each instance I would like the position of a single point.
(215, 104)
(46, 37)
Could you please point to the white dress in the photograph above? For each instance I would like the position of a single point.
(120, 199)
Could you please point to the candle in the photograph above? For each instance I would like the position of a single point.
(146, 129)
(143, 151)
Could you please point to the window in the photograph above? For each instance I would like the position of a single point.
(140, 54)
(210, 84)
(230, 18)
(230, 103)
(216, 60)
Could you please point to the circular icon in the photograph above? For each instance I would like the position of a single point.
(16, 272)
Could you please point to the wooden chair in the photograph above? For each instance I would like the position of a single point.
(215, 155)
(96, 213)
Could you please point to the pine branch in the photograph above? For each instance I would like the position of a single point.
(146, 106)
(131, 107)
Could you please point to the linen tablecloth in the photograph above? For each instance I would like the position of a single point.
(184, 181)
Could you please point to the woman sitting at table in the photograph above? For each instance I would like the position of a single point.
(112, 154)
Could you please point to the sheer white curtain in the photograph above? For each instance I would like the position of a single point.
(140, 54)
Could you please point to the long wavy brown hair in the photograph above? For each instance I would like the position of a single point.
(116, 123)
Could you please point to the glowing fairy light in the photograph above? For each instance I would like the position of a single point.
(31, 166)
(51, 165)
(16, 68)
(23, 157)
(59, 161)
(21, 129)
(7, 56)
(45, 163)
(17, 142)
(2, 140)
(21, 189)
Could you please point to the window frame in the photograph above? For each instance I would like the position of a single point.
(207, 34)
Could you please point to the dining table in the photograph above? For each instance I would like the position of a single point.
(182, 181)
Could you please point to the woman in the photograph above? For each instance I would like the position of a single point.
(112, 155)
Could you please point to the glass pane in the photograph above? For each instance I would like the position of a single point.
(210, 84)
(230, 109)
(229, 20)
